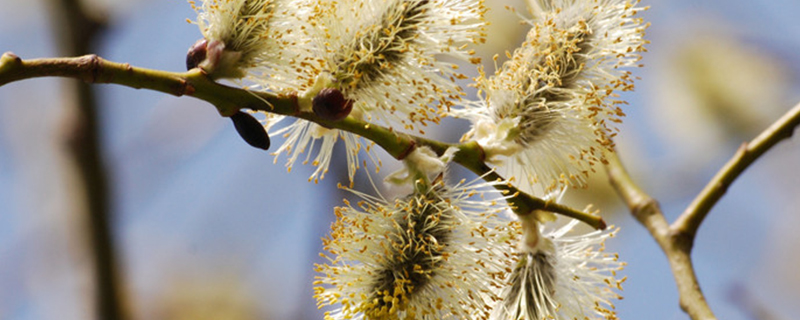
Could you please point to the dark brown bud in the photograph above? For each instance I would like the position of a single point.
(330, 104)
(250, 130)
(196, 54)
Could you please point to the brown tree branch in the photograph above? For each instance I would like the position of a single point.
(677, 249)
(696, 212)
(676, 240)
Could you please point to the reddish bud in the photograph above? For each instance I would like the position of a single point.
(330, 104)
(196, 55)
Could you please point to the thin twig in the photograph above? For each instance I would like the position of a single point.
(643, 207)
(471, 156)
(677, 249)
(228, 100)
(695, 213)
(677, 240)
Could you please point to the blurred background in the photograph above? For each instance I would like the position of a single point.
(206, 227)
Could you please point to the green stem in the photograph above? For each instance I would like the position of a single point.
(228, 100)
(470, 156)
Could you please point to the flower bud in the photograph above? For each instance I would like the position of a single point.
(330, 104)
(196, 54)
(250, 130)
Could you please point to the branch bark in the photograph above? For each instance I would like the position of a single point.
(677, 249)
(229, 100)
(676, 240)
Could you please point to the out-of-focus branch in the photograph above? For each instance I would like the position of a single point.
(676, 240)
(693, 216)
(677, 249)
(75, 28)
(229, 100)
(75, 32)
(643, 207)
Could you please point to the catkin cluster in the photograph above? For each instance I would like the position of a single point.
(543, 120)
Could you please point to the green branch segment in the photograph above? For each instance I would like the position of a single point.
(229, 100)
(93, 69)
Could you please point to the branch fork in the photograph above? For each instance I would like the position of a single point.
(677, 239)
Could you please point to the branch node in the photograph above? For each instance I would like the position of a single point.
(645, 207)
(94, 64)
(187, 88)
(10, 57)
(295, 103)
(481, 152)
(681, 239)
(408, 150)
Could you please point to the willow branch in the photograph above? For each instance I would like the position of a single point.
(470, 156)
(677, 248)
(693, 216)
(228, 100)
(676, 240)
(643, 207)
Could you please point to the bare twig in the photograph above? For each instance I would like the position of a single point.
(677, 249)
(693, 216)
(643, 207)
(471, 156)
(229, 100)
(676, 240)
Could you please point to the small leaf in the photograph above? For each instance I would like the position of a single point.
(250, 130)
